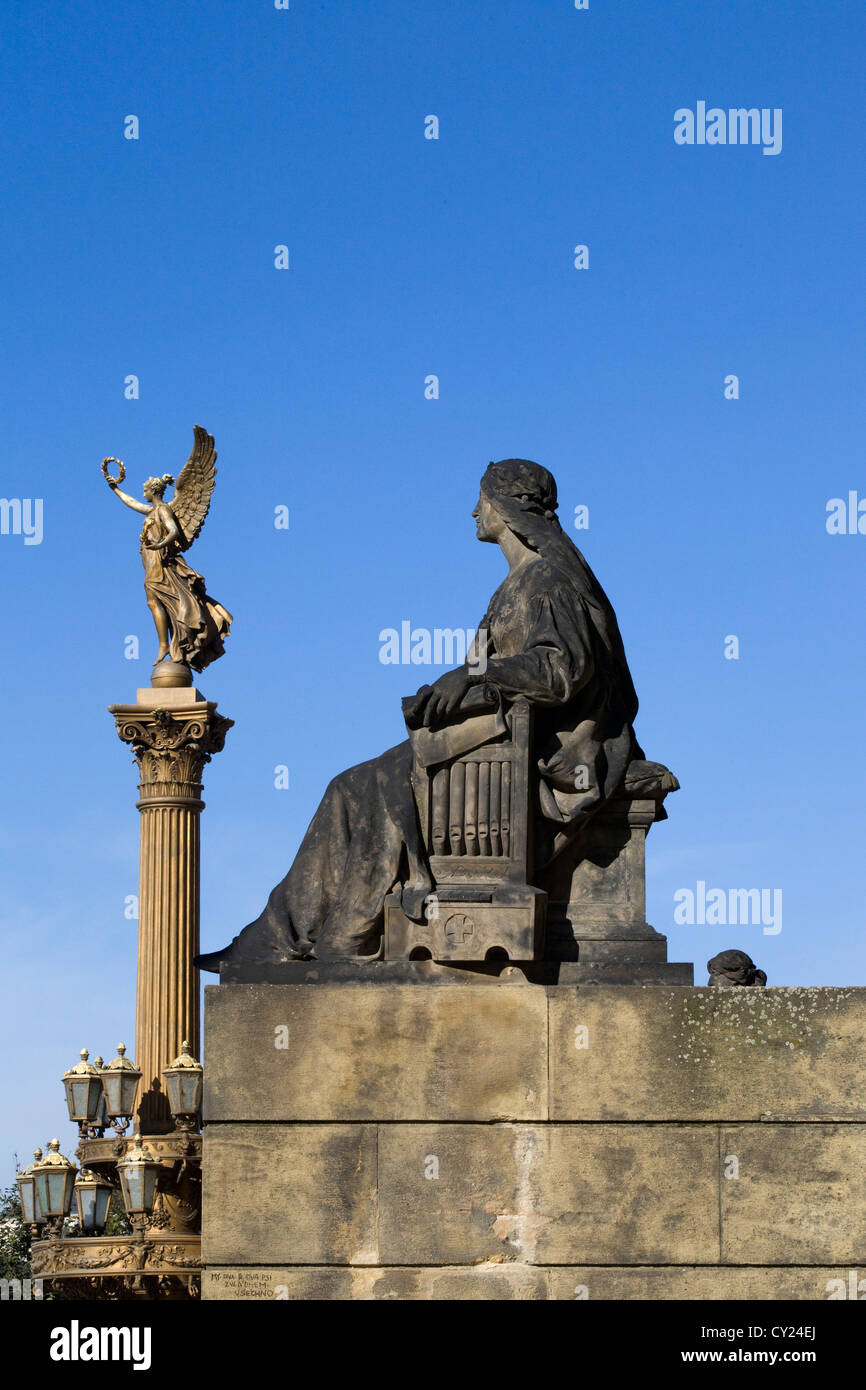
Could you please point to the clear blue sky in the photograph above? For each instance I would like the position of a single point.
(411, 257)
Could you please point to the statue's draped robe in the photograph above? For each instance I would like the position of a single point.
(197, 622)
(551, 637)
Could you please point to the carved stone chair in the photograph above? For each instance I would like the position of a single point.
(476, 791)
(473, 787)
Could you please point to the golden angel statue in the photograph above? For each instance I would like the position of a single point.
(189, 623)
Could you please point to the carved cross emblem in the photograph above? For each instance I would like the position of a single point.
(458, 928)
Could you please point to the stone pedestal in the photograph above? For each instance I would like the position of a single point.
(596, 913)
(503, 1139)
(173, 733)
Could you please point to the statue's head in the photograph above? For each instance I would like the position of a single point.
(518, 494)
(154, 488)
(734, 968)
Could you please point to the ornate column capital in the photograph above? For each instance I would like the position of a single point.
(171, 747)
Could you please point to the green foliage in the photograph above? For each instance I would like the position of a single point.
(117, 1222)
(14, 1236)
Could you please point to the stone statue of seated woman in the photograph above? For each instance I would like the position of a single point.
(550, 638)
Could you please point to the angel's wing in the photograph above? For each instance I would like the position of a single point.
(195, 486)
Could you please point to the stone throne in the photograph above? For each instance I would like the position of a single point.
(584, 913)
(473, 783)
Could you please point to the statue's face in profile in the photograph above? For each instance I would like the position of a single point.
(153, 489)
(488, 522)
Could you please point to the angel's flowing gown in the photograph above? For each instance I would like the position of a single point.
(198, 623)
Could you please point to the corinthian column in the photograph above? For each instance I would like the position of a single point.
(173, 733)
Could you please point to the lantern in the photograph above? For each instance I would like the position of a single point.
(55, 1176)
(30, 1208)
(183, 1082)
(92, 1196)
(119, 1084)
(138, 1171)
(83, 1084)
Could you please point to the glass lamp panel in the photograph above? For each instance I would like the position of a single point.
(27, 1192)
(150, 1186)
(86, 1200)
(83, 1094)
(132, 1183)
(52, 1189)
(190, 1087)
(138, 1182)
(120, 1088)
(128, 1088)
(103, 1197)
(56, 1193)
(71, 1099)
(173, 1087)
(111, 1091)
(60, 1185)
(42, 1192)
(94, 1097)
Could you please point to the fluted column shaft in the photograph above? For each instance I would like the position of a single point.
(171, 746)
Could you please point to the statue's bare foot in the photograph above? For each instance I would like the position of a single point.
(161, 655)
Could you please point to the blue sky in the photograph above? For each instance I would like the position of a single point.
(411, 257)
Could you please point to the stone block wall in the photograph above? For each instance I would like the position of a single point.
(506, 1140)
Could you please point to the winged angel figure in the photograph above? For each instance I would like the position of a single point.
(189, 623)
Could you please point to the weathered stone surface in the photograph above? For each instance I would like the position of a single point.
(274, 1193)
(387, 1052)
(621, 1194)
(628, 1194)
(707, 1054)
(759, 1284)
(448, 1193)
(541, 1195)
(504, 1282)
(798, 1198)
(455, 1194)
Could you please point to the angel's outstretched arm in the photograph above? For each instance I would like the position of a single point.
(127, 500)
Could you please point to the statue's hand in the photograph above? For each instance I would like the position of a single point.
(561, 764)
(445, 696)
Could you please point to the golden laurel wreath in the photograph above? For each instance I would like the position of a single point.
(121, 475)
